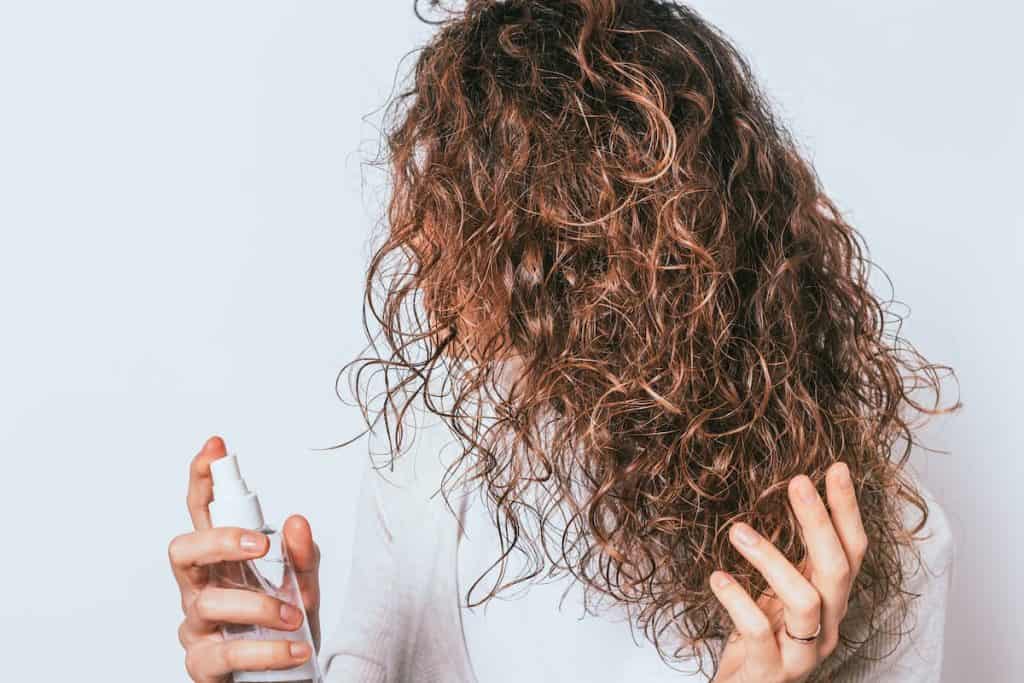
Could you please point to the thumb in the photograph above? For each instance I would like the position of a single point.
(305, 557)
(299, 536)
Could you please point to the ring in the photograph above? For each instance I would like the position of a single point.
(803, 639)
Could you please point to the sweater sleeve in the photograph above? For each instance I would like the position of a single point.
(916, 657)
(364, 629)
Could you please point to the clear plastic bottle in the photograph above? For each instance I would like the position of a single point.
(234, 505)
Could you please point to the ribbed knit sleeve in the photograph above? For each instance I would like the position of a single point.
(358, 648)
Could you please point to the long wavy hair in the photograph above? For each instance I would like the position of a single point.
(610, 271)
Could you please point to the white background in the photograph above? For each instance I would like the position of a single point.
(184, 225)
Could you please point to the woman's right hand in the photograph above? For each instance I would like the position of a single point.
(209, 658)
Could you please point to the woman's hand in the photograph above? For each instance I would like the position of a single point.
(209, 658)
(760, 650)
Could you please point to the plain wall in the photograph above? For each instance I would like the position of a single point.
(184, 221)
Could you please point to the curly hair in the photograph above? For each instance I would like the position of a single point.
(596, 194)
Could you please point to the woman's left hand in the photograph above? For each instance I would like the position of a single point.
(774, 640)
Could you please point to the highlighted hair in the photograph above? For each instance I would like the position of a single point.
(596, 193)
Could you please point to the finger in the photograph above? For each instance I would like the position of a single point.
(200, 482)
(190, 553)
(762, 657)
(829, 566)
(846, 517)
(212, 659)
(305, 556)
(215, 606)
(801, 602)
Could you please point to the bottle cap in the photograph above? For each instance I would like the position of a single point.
(233, 504)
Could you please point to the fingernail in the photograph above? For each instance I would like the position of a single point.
(298, 650)
(251, 542)
(720, 580)
(843, 476)
(745, 535)
(805, 490)
(289, 614)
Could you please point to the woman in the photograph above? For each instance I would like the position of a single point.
(649, 338)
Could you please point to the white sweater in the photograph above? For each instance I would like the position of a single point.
(403, 620)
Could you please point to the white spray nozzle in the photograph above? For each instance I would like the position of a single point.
(233, 504)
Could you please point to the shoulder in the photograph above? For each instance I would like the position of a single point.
(896, 644)
(407, 491)
(935, 541)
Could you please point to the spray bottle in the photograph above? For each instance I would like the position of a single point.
(234, 505)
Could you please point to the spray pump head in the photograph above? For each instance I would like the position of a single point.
(233, 504)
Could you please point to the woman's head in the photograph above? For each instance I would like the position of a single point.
(596, 192)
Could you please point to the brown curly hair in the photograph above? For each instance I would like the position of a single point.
(596, 194)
